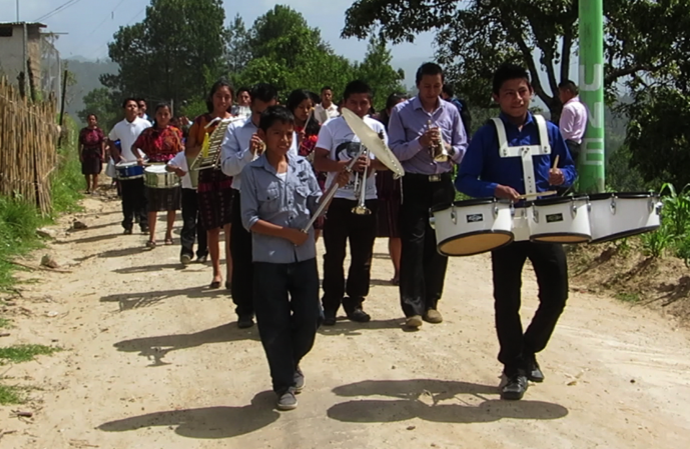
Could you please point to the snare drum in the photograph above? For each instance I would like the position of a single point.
(129, 170)
(466, 228)
(619, 215)
(562, 219)
(522, 217)
(157, 177)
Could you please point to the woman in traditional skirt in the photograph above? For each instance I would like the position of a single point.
(91, 152)
(160, 143)
(214, 190)
(389, 192)
(301, 104)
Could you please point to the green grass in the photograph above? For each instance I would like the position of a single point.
(5, 323)
(628, 297)
(10, 395)
(24, 353)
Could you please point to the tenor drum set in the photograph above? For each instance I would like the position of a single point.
(467, 228)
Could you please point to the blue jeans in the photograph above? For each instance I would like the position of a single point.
(286, 303)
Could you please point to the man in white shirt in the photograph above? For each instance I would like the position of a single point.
(241, 146)
(326, 109)
(133, 197)
(142, 110)
(573, 122)
(337, 145)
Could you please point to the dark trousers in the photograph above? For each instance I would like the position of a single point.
(287, 324)
(551, 268)
(342, 225)
(574, 149)
(242, 266)
(134, 202)
(422, 268)
(191, 225)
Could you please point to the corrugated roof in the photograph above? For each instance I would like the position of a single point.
(38, 24)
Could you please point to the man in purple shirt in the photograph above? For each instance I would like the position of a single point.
(427, 182)
(573, 122)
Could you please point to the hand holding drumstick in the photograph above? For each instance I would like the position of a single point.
(556, 177)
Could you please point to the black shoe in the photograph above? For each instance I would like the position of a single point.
(128, 231)
(534, 373)
(145, 229)
(245, 321)
(201, 259)
(286, 401)
(359, 316)
(300, 382)
(328, 319)
(515, 387)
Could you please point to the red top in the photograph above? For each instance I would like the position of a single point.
(160, 145)
(91, 138)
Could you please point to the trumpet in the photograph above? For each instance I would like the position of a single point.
(361, 190)
(438, 150)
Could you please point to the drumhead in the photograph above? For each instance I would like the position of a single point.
(126, 164)
(559, 200)
(561, 238)
(157, 169)
(475, 243)
(473, 202)
(636, 194)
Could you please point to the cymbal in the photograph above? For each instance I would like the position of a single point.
(371, 140)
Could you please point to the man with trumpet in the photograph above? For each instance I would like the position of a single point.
(241, 146)
(352, 213)
(427, 136)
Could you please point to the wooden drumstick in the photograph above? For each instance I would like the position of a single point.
(555, 162)
(537, 194)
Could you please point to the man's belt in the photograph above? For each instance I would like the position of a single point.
(428, 178)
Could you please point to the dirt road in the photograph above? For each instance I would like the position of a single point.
(153, 360)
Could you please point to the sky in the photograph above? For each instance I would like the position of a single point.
(90, 24)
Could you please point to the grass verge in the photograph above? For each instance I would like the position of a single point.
(24, 353)
(10, 395)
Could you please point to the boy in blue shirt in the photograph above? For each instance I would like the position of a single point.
(279, 195)
(487, 172)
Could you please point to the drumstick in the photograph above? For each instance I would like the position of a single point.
(311, 114)
(555, 162)
(534, 195)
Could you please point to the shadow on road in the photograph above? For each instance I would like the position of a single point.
(155, 348)
(207, 422)
(441, 403)
(137, 300)
(346, 327)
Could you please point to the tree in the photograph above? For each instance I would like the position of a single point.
(474, 37)
(237, 51)
(377, 71)
(175, 53)
(104, 104)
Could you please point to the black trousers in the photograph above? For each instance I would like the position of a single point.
(342, 225)
(551, 268)
(134, 203)
(422, 268)
(242, 265)
(286, 299)
(574, 149)
(191, 226)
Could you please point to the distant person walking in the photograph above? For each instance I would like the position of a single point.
(326, 109)
(573, 122)
(91, 152)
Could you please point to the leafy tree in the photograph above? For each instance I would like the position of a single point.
(237, 51)
(474, 37)
(104, 104)
(173, 54)
(377, 71)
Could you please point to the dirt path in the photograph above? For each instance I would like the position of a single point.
(152, 360)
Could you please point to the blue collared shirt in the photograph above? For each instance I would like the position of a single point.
(483, 168)
(288, 202)
(408, 123)
(235, 153)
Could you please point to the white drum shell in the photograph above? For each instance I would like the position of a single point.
(522, 217)
(615, 218)
(463, 222)
(566, 222)
(157, 177)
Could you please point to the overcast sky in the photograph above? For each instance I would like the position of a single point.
(91, 23)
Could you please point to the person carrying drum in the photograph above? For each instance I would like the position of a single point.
(491, 169)
(427, 136)
(241, 146)
(127, 132)
(352, 215)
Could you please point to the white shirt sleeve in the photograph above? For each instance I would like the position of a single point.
(234, 158)
(325, 139)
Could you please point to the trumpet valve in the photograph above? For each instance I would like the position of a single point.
(361, 210)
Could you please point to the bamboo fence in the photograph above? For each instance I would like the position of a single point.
(28, 147)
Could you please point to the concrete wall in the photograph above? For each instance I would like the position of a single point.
(12, 54)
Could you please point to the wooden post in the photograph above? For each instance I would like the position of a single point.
(62, 104)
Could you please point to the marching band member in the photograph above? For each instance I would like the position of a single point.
(241, 146)
(279, 196)
(485, 172)
(336, 146)
(160, 143)
(326, 109)
(214, 192)
(389, 191)
(300, 103)
(242, 109)
(133, 195)
(427, 182)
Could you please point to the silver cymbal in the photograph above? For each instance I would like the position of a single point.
(373, 142)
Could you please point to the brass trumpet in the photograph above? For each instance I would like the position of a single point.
(438, 150)
(361, 191)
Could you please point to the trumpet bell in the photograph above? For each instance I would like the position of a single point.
(361, 210)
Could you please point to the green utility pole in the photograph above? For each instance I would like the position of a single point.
(591, 165)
